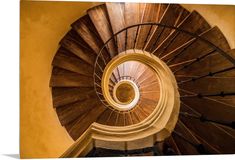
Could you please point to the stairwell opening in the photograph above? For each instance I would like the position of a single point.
(125, 93)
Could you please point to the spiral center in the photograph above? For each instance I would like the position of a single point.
(125, 93)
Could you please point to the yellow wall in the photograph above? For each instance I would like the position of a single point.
(43, 24)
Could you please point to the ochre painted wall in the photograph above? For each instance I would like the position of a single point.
(42, 25)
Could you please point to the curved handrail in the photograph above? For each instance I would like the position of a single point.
(198, 37)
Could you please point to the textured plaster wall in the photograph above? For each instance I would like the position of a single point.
(42, 25)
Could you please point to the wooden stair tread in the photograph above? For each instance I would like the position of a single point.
(133, 13)
(151, 14)
(215, 137)
(66, 95)
(210, 85)
(227, 129)
(141, 70)
(185, 132)
(116, 14)
(102, 119)
(170, 141)
(64, 78)
(230, 100)
(194, 139)
(67, 60)
(212, 63)
(80, 126)
(170, 17)
(120, 120)
(134, 117)
(75, 44)
(100, 19)
(193, 23)
(211, 108)
(210, 149)
(128, 119)
(184, 147)
(145, 74)
(147, 105)
(70, 112)
(140, 113)
(197, 48)
(112, 118)
(85, 28)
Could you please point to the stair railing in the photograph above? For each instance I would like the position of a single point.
(101, 62)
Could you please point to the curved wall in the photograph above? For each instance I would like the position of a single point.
(43, 24)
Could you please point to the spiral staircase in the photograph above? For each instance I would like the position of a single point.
(145, 79)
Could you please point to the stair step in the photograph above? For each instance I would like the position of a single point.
(135, 68)
(170, 17)
(230, 100)
(227, 129)
(133, 14)
(184, 147)
(171, 142)
(147, 105)
(75, 44)
(141, 70)
(230, 73)
(120, 120)
(210, 85)
(140, 114)
(117, 20)
(197, 48)
(134, 117)
(193, 23)
(150, 81)
(85, 28)
(64, 78)
(152, 87)
(186, 133)
(214, 136)
(145, 75)
(210, 148)
(128, 119)
(210, 108)
(112, 118)
(70, 112)
(102, 119)
(81, 124)
(211, 63)
(151, 14)
(65, 95)
(67, 60)
(154, 95)
(100, 19)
